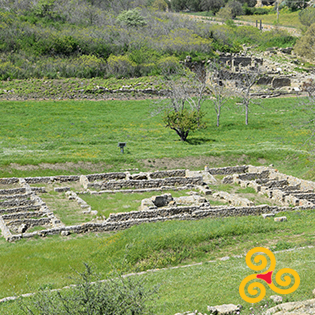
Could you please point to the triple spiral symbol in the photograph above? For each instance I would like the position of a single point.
(256, 287)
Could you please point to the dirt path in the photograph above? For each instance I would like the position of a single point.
(265, 27)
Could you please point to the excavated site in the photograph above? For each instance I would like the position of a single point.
(24, 212)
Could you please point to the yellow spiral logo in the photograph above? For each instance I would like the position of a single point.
(256, 290)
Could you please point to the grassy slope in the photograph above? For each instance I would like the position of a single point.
(62, 131)
(51, 261)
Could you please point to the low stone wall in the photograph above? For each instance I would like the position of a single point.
(106, 176)
(16, 203)
(29, 222)
(151, 183)
(20, 209)
(9, 181)
(51, 179)
(23, 215)
(170, 173)
(178, 213)
(12, 191)
(8, 197)
(228, 170)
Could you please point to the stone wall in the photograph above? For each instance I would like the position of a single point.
(21, 206)
(150, 183)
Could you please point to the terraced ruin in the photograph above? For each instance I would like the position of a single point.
(32, 206)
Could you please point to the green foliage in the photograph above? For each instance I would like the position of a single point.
(212, 5)
(182, 121)
(307, 16)
(294, 5)
(306, 44)
(120, 66)
(131, 18)
(160, 5)
(8, 70)
(225, 13)
(119, 296)
(168, 65)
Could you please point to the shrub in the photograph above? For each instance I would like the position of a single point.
(131, 18)
(8, 70)
(120, 66)
(305, 46)
(168, 65)
(307, 16)
(119, 296)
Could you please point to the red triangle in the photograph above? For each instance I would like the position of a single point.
(266, 277)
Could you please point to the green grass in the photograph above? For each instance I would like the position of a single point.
(106, 204)
(285, 19)
(50, 262)
(36, 132)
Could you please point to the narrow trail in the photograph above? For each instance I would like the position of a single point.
(265, 27)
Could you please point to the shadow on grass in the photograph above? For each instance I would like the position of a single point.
(196, 141)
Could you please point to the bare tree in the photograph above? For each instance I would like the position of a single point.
(308, 107)
(217, 86)
(245, 83)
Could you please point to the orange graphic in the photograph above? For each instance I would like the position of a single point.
(255, 288)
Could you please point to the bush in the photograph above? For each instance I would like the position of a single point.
(8, 70)
(307, 16)
(119, 296)
(169, 65)
(120, 66)
(131, 18)
(305, 46)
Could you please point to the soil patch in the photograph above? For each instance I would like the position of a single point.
(67, 166)
(195, 162)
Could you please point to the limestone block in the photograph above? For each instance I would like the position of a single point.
(276, 299)
(267, 215)
(280, 219)
(224, 309)
(61, 189)
(279, 82)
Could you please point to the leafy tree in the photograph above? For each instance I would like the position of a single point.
(131, 18)
(236, 8)
(295, 4)
(160, 5)
(119, 296)
(307, 16)
(182, 121)
(225, 13)
(186, 94)
(305, 46)
(212, 5)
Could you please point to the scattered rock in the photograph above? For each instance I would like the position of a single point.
(223, 309)
(276, 299)
(61, 189)
(267, 215)
(22, 228)
(293, 308)
(65, 233)
(280, 219)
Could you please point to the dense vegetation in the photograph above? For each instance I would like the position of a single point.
(86, 39)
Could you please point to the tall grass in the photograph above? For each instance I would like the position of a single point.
(33, 132)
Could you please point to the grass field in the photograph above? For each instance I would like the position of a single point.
(28, 264)
(34, 132)
(285, 19)
(38, 137)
